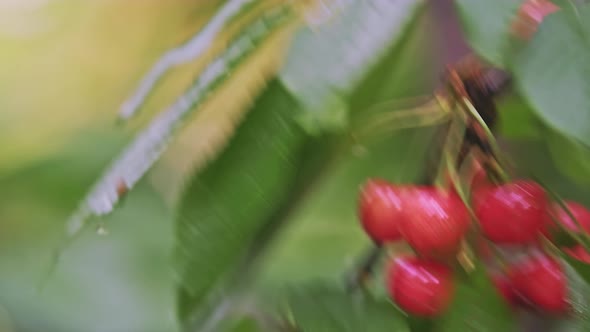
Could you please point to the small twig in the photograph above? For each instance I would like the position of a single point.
(490, 136)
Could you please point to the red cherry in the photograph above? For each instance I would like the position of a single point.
(512, 213)
(578, 252)
(380, 210)
(580, 212)
(420, 287)
(434, 221)
(505, 288)
(541, 280)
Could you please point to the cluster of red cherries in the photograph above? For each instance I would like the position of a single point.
(435, 223)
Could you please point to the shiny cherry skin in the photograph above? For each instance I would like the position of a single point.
(511, 213)
(380, 208)
(420, 287)
(540, 279)
(434, 222)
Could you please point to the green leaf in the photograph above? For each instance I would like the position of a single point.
(237, 195)
(518, 120)
(327, 64)
(321, 308)
(477, 307)
(487, 26)
(553, 72)
(571, 157)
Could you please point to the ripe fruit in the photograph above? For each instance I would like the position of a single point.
(542, 281)
(420, 287)
(434, 222)
(380, 210)
(512, 213)
(580, 212)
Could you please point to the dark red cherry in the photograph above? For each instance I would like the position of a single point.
(380, 210)
(434, 221)
(420, 287)
(511, 213)
(540, 279)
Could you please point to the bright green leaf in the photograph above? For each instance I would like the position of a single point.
(487, 26)
(322, 308)
(477, 307)
(553, 72)
(327, 64)
(237, 195)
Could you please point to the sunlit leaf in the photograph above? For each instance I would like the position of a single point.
(553, 72)
(326, 64)
(323, 308)
(477, 306)
(487, 26)
(191, 50)
(149, 145)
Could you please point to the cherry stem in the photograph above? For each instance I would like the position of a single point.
(358, 277)
(491, 138)
(457, 184)
(456, 129)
